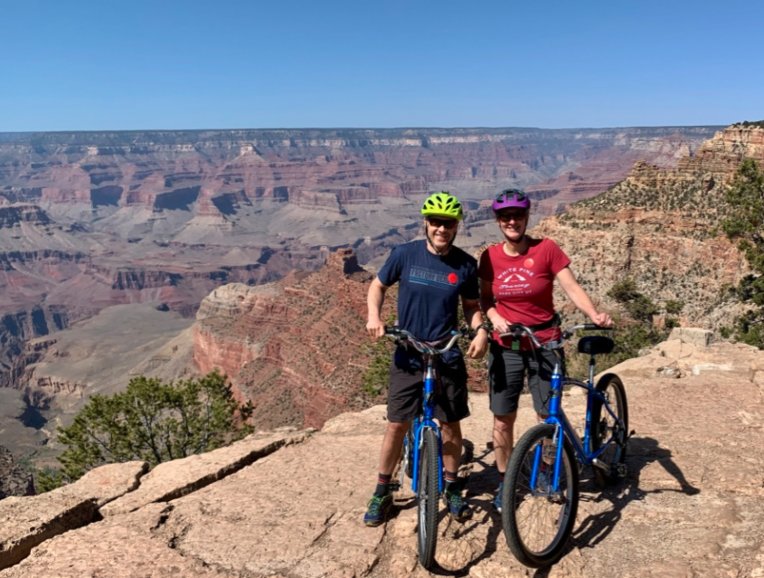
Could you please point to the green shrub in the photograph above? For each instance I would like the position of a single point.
(674, 307)
(745, 224)
(376, 376)
(151, 421)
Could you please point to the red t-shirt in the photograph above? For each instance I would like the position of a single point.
(522, 285)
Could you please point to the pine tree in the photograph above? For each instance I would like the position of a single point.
(153, 421)
(745, 224)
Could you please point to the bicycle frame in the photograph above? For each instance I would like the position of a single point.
(425, 421)
(558, 418)
(562, 424)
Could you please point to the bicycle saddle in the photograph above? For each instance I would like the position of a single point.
(595, 344)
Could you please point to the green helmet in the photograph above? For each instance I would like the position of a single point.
(442, 204)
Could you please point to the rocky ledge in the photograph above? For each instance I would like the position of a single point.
(289, 503)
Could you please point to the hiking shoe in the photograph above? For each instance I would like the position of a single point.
(379, 507)
(457, 507)
(497, 498)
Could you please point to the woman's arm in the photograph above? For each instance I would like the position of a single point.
(581, 299)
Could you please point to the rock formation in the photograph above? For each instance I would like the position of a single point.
(90, 220)
(661, 228)
(293, 348)
(290, 503)
(14, 481)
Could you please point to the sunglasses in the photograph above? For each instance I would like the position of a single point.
(445, 223)
(513, 216)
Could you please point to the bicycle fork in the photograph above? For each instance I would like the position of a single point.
(422, 423)
(551, 452)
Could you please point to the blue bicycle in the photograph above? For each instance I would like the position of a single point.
(540, 492)
(422, 459)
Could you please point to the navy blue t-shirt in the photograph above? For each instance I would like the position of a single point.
(430, 287)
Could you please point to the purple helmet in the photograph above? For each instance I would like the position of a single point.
(511, 199)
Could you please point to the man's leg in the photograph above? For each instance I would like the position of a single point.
(392, 444)
(389, 454)
(451, 434)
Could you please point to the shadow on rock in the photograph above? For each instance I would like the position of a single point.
(642, 451)
(475, 540)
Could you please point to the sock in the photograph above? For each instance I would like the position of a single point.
(383, 484)
(453, 482)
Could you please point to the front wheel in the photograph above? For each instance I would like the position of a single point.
(427, 498)
(537, 515)
(611, 429)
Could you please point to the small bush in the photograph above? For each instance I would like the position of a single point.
(151, 421)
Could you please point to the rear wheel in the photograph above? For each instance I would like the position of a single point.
(427, 498)
(610, 429)
(538, 519)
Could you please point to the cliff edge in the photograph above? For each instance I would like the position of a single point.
(290, 502)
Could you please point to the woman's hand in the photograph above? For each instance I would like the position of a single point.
(500, 324)
(602, 319)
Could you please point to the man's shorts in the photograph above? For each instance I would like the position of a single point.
(404, 398)
(507, 370)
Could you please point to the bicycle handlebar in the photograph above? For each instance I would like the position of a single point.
(423, 346)
(518, 330)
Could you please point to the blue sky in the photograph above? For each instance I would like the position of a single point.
(172, 64)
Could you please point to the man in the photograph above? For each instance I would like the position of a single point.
(433, 275)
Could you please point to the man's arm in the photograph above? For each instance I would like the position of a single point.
(374, 301)
(474, 318)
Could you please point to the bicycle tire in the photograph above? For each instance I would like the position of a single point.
(537, 522)
(427, 498)
(603, 425)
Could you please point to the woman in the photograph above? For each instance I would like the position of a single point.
(516, 284)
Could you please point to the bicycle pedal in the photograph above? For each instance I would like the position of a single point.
(394, 486)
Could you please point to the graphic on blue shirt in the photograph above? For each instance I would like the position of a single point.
(430, 277)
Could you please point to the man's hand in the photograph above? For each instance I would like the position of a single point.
(375, 329)
(479, 345)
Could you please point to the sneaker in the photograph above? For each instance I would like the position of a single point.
(457, 507)
(497, 498)
(379, 507)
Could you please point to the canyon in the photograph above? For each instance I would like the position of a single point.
(121, 239)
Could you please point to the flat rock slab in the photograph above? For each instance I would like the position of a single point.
(111, 548)
(30, 520)
(177, 478)
(691, 505)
